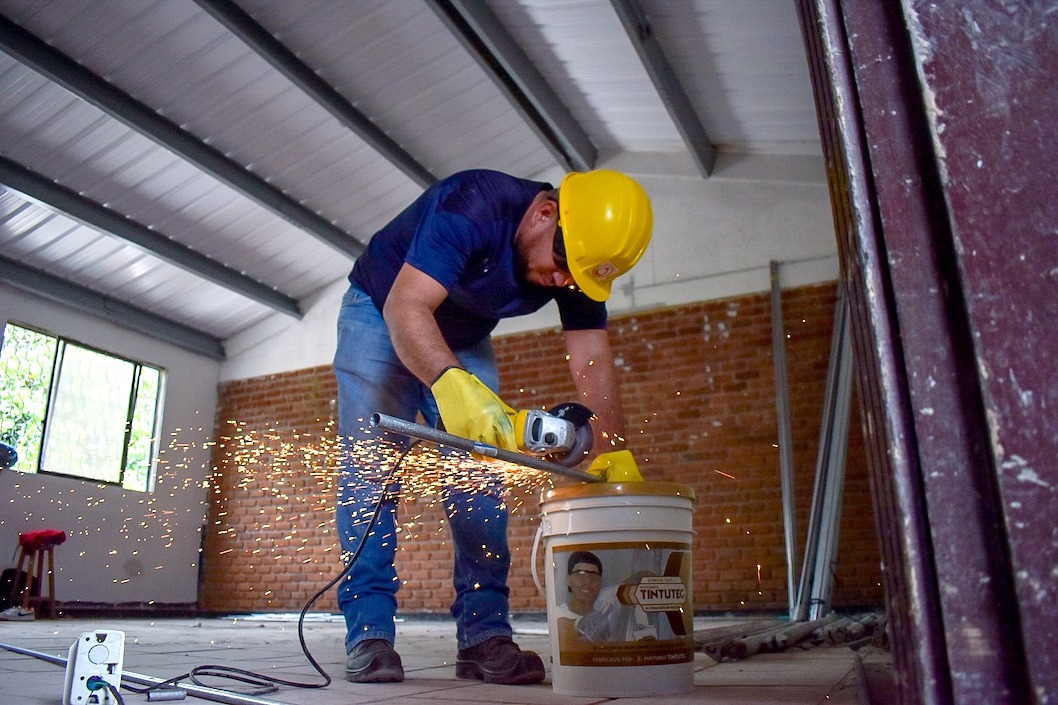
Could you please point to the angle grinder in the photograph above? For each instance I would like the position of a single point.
(562, 435)
(553, 441)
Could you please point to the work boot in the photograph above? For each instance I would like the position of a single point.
(17, 614)
(499, 660)
(374, 661)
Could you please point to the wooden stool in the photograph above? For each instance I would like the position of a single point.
(32, 547)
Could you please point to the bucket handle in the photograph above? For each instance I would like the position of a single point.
(536, 544)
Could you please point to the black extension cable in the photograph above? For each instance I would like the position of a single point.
(269, 684)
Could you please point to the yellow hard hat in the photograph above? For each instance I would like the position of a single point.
(606, 222)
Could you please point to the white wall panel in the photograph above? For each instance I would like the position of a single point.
(122, 547)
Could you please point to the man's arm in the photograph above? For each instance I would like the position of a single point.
(595, 377)
(409, 313)
(467, 407)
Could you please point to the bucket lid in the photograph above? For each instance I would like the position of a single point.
(610, 489)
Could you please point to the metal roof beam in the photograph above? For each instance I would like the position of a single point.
(42, 58)
(287, 63)
(95, 215)
(108, 308)
(482, 34)
(692, 130)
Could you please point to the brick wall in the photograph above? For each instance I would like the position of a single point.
(698, 387)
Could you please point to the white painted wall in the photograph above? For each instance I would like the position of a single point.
(713, 238)
(122, 547)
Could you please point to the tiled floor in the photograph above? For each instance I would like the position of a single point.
(165, 648)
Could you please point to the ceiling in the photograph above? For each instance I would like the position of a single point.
(190, 167)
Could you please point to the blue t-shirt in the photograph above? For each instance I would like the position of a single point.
(460, 232)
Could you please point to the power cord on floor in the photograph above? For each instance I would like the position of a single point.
(269, 684)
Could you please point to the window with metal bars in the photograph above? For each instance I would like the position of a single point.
(69, 409)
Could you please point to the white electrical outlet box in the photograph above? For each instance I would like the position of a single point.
(95, 655)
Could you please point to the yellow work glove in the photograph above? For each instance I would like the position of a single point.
(470, 409)
(616, 466)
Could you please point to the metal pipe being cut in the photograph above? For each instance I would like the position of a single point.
(433, 435)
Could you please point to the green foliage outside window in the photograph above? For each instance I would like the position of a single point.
(25, 376)
(71, 410)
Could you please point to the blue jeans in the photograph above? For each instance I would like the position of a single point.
(372, 379)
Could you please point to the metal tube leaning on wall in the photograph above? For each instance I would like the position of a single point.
(786, 461)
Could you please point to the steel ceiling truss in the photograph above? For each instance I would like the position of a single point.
(93, 214)
(482, 34)
(690, 127)
(304, 77)
(80, 298)
(46, 60)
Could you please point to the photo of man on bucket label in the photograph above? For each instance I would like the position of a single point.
(641, 618)
(583, 583)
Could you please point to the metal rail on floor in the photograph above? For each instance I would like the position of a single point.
(198, 691)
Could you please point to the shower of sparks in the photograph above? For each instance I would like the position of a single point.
(303, 473)
(270, 496)
(721, 472)
(135, 519)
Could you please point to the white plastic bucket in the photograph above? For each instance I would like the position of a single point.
(637, 637)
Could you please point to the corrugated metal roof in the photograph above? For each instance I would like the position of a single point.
(592, 66)
(397, 63)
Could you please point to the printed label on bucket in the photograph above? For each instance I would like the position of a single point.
(623, 604)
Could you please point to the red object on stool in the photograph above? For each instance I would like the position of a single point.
(34, 545)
